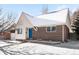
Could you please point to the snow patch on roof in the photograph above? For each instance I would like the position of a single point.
(51, 19)
(43, 22)
(59, 16)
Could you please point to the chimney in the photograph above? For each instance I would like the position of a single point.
(45, 9)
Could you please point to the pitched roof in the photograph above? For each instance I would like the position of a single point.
(59, 16)
(56, 18)
(51, 19)
(39, 22)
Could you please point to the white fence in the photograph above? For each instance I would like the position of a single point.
(13, 36)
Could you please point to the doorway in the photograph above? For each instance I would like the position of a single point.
(30, 33)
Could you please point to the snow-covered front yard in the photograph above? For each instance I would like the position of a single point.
(6, 43)
(38, 49)
(28, 48)
(2, 43)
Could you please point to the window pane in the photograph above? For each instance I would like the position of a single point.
(48, 28)
(19, 31)
(53, 28)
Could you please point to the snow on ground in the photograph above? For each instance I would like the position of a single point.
(2, 43)
(6, 43)
(1, 53)
(35, 49)
(12, 41)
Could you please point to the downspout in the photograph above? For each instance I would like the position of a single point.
(62, 33)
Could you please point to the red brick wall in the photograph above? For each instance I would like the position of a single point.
(57, 36)
(5, 35)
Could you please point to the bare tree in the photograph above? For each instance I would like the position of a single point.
(6, 20)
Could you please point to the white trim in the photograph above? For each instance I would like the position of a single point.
(62, 33)
(27, 33)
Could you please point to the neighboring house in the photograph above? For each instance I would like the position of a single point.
(5, 36)
(8, 33)
(12, 31)
(51, 26)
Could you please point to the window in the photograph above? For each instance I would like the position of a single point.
(48, 28)
(19, 31)
(51, 29)
(12, 31)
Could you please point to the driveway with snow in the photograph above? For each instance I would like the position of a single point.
(38, 49)
(29, 48)
(6, 43)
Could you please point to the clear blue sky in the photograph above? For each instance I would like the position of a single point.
(35, 9)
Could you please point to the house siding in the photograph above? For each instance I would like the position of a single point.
(42, 34)
(21, 36)
(66, 33)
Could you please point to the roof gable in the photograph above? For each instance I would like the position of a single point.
(23, 20)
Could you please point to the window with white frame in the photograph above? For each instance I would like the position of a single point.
(51, 29)
(19, 31)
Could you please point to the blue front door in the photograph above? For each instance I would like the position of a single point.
(30, 33)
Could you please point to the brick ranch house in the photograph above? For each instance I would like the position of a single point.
(54, 26)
